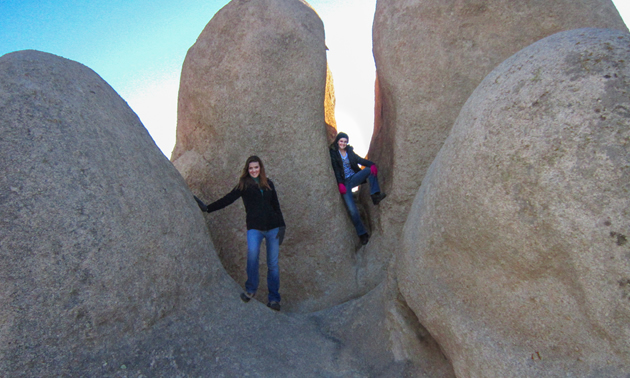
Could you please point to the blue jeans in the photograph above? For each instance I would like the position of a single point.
(356, 180)
(254, 239)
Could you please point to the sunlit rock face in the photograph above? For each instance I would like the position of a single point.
(515, 253)
(430, 56)
(254, 83)
(100, 237)
(329, 108)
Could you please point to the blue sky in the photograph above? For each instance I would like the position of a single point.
(115, 38)
(138, 47)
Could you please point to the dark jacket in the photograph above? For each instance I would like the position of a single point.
(262, 209)
(355, 160)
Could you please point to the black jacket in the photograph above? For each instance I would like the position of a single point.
(262, 209)
(355, 160)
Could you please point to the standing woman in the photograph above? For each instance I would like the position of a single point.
(264, 221)
(345, 163)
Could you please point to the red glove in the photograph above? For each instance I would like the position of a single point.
(342, 188)
(374, 170)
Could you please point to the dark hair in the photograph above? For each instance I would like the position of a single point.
(334, 144)
(247, 180)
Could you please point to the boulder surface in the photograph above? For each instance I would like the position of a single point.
(100, 238)
(254, 83)
(107, 267)
(430, 56)
(515, 254)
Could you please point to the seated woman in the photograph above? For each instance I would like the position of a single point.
(345, 163)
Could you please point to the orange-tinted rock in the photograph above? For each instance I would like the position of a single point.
(329, 107)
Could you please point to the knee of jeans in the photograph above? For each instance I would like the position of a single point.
(273, 267)
(352, 208)
(349, 199)
(272, 261)
(252, 254)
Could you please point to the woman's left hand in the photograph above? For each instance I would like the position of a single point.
(280, 235)
(373, 170)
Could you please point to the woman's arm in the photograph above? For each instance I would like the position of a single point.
(362, 161)
(334, 160)
(275, 204)
(228, 199)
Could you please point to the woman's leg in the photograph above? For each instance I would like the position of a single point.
(356, 180)
(273, 270)
(363, 175)
(374, 187)
(254, 238)
(354, 212)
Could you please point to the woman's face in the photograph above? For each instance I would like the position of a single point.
(342, 143)
(254, 169)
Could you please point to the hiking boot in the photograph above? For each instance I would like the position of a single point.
(365, 238)
(274, 305)
(246, 297)
(378, 197)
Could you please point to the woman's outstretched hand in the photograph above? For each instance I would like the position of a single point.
(373, 170)
(342, 188)
(202, 206)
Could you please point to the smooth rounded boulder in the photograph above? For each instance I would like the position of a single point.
(100, 237)
(430, 56)
(515, 253)
(254, 83)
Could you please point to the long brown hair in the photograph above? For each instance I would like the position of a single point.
(247, 180)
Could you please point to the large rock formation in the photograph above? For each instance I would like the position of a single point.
(515, 251)
(254, 84)
(100, 237)
(430, 56)
(107, 265)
